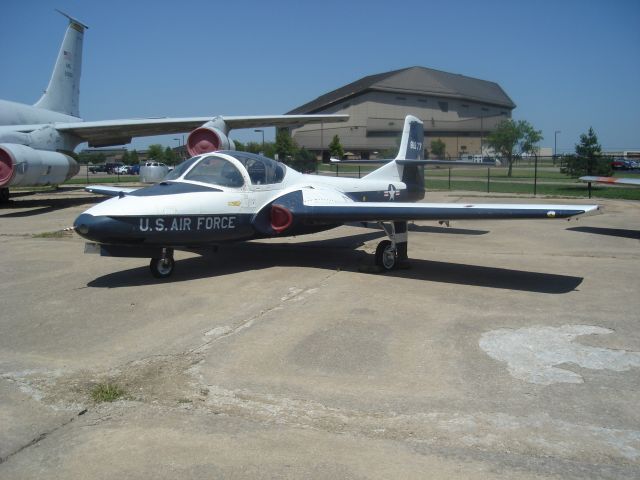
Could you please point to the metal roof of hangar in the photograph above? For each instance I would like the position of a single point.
(416, 81)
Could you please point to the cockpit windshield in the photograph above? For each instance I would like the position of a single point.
(216, 171)
(180, 169)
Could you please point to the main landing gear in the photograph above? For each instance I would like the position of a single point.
(162, 267)
(392, 253)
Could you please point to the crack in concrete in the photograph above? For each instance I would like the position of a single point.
(41, 437)
(537, 434)
(161, 380)
(294, 294)
(44, 387)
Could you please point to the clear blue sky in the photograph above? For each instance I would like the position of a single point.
(568, 65)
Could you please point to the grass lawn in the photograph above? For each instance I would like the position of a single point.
(577, 190)
(112, 179)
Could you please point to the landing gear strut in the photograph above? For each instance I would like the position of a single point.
(163, 267)
(392, 253)
(4, 195)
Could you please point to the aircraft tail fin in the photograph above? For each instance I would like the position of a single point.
(408, 166)
(63, 92)
(412, 139)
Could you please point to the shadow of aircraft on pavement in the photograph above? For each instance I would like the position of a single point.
(337, 254)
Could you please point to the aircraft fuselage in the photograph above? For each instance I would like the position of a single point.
(188, 214)
(13, 113)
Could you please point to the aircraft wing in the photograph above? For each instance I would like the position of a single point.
(119, 132)
(106, 190)
(315, 206)
(613, 180)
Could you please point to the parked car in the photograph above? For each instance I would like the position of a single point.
(111, 167)
(97, 168)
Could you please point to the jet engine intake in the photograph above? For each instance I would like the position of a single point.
(208, 138)
(21, 165)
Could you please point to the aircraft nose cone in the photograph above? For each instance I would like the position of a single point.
(101, 228)
(82, 224)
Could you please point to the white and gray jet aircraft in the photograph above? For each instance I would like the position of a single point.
(36, 140)
(229, 196)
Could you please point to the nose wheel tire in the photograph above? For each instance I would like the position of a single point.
(386, 255)
(162, 267)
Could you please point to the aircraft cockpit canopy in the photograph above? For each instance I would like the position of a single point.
(261, 170)
(216, 170)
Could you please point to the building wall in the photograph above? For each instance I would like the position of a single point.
(376, 121)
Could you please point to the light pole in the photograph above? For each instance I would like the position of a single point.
(481, 133)
(180, 150)
(262, 132)
(555, 145)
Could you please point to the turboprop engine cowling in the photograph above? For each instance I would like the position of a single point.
(25, 166)
(208, 138)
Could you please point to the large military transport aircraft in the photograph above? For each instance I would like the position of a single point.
(231, 196)
(36, 140)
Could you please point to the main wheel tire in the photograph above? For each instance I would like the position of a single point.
(4, 195)
(162, 267)
(386, 255)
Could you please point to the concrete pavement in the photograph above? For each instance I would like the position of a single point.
(508, 350)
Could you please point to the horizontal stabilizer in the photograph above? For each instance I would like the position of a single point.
(612, 180)
(109, 191)
(449, 163)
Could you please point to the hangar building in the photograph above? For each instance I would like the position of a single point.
(459, 110)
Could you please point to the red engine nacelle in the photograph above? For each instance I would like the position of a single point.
(281, 218)
(207, 139)
(6, 167)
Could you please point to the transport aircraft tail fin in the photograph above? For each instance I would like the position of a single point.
(63, 93)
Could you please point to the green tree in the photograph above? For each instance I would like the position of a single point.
(134, 158)
(240, 147)
(512, 138)
(155, 152)
(269, 149)
(285, 147)
(588, 159)
(335, 148)
(530, 139)
(126, 158)
(304, 161)
(85, 158)
(438, 148)
(170, 156)
(254, 147)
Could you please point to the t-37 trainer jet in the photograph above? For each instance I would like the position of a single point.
(229, 196)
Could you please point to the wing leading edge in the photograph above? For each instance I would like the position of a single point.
(314, 207)
(106, 132)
